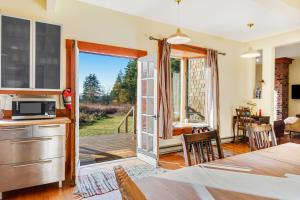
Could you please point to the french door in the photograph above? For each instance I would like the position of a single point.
(147, 137)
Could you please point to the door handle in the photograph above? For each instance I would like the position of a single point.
(154, 117)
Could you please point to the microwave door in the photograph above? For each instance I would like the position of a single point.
(31, 109)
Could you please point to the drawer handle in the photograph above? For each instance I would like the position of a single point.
(33, 163)
(12, 129)
(49, 126)
(29, 141)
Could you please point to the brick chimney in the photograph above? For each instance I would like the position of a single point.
(282, 86)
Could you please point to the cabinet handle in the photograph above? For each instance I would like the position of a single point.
(33, 163)
(12, 129)
(49, 126)
(29, 141)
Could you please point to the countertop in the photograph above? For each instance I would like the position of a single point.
(57, 120)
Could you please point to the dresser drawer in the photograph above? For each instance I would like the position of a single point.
(49, 130)
(21, 175)
(15, 132)
(30, 149)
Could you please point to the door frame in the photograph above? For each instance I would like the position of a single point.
(71, 82)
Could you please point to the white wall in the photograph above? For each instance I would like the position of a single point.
(90, 23)
(268, 46)
(294, 79)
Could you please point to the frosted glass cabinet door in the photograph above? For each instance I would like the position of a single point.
(47, 56)
(15, 52)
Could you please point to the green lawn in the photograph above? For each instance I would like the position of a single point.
(104, 126)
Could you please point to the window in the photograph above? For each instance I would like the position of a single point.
(189, 90)
(176, 87)
(196, 91)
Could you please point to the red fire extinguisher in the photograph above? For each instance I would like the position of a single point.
(67, 97)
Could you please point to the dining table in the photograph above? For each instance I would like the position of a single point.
(272, 173)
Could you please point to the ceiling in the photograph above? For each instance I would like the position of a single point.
(225, 18)
(290, 51)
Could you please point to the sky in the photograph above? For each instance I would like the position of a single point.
(106, 69)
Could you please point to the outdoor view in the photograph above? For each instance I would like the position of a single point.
(107, 95)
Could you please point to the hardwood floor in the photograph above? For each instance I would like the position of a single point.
(169, 161)
(176, 161)
(44, 192)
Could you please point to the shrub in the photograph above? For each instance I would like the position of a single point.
(85, 119)
(89, 113)
(100, 109)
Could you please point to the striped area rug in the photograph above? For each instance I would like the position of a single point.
(103, 180)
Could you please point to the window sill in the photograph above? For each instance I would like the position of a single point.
(189, 125)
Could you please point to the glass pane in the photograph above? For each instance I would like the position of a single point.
(15, 53)
(144, 69)
(150, 87)
(47, 56)
(144, 105)
(144, 87)
(144, 123)
(176, 88)
(150, 106)
(151, 70)
(150, 144)
(150, 124)
(144, 141)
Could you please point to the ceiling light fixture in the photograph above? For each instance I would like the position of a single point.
(178, 37)
(250, 53)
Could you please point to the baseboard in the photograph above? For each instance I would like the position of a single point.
(227, 139)
(178, 147)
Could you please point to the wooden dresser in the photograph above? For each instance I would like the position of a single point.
(32, 152)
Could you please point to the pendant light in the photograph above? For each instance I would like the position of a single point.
(250, 53)
(178, 37)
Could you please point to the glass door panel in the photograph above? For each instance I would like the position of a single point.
(47, 56)
(15, 52)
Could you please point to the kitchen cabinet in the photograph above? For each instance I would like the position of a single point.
(47, 56)
(30, 55)
(15, 52)
(31, 155)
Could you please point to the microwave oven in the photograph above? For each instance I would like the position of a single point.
(33, 108)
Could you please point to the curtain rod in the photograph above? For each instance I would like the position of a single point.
(153, 38)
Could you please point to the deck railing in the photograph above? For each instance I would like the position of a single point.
(125, 121)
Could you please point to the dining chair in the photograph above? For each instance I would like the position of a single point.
(128, 189)
(198, 147)
(260, 135)
(243, 120)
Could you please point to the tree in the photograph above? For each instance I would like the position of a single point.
(92, 89)
(175, 65)
(124, 89)
(117, 88)
(130, 81)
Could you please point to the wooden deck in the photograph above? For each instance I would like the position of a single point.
(101, 148)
